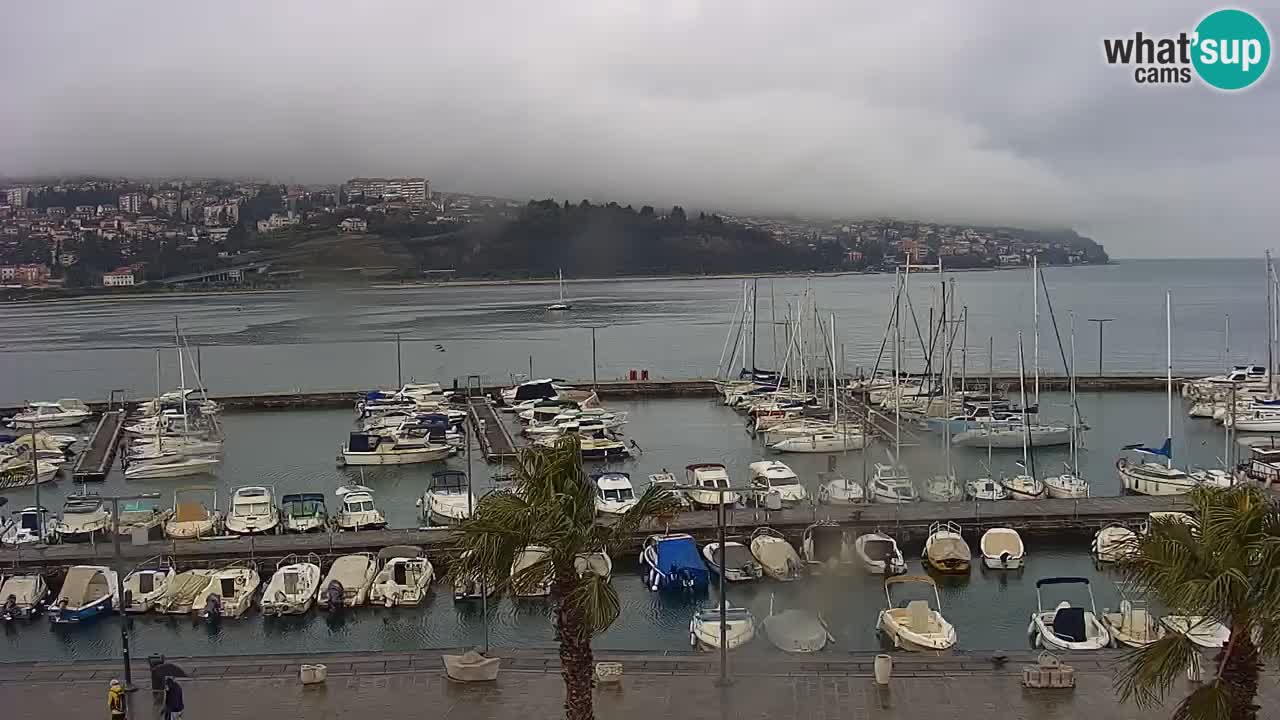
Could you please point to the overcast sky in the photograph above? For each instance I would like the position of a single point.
(966, 111)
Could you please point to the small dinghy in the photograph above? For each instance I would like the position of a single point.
(180, 595)
(736, 561)
(22, 597)
(1067, 627)
(796, 631)
(347, 582)
(826, 548)
(145, 586)
(229, 593)
(87, 592)
(293, 586)
(916, 625)
(879, 554)
(945, 550)
(704, 629)
(1113, 543)
(1132, 625)
(404, 579)
(777, 558)
(1203, 631)
(836, 489)
(1002, 549)
(985, 489)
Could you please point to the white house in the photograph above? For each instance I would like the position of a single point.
(354, 224)
(120, 277)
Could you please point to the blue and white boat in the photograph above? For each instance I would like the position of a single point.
(88, 591)
(974, 417)
(673, 563)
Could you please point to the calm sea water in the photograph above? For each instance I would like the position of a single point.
(319, 340)
(294, 451)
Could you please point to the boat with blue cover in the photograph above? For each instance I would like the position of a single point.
(673, 563)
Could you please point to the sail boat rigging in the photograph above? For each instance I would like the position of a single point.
(562, 305)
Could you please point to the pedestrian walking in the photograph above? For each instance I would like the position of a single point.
(115, 700)
(173, 705)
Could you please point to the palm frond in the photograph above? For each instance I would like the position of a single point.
(1147, 674)
(597, 602)
(1210, 701)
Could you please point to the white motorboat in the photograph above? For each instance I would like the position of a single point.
(598, 446)
(1002, 549)
(563, 304)
(1068, 485)
(177, 447)
(87, 592)
(879, 554)
(15, 470)
(985, 489)
(826, 547)
(304, 512)
(1203, 631)
(293, 586)
(1113, 543)
(667, 482)
(348, 581)
(22, 597)
(404, 579)
(144, 517)
(739, 627)
(1067, 627)
(448, 499)
(530, 584)
(356, 509)
(796, 631)
(915, 626)
(594, 563)
(1132, 624)
(942, 488)
(180, 595)
(770, 477)
(229, 593)
(63, 413)
(1023, 487)
(171, 466)
(891, 484)
(735, 561)
(145, 586)
(777, 558)
(253, 511)
(193, 518)
(373, 449)
(613, 491)
(945, 549)
(836, 489)
(83, 516)
(829, 441)
(706, 481)
(32, 525)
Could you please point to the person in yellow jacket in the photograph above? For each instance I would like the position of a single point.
(115, 700)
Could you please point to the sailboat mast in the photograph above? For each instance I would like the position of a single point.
(773, 322)
(835, 397)
(1035, 311)
(1168, 368)
(1075, 414)
(182, 375)
(897, 389)
(755, 287)
(1022, 392)
(159, 405)
(560, 276)
(991, 390)
(1270, 328)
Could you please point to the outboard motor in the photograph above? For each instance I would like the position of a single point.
(10, 609)
(213, 607)
(334, 595)
(1004, 558)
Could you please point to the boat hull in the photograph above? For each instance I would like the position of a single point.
(407, 457)
(1143, 484)
(66, 616)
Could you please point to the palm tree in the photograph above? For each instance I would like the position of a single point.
(551, 504)
(1225, 566)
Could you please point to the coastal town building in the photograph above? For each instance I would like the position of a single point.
(414, 191)
(354, 224)
(120, 277)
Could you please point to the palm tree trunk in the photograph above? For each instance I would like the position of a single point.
(576, 662)
(1241, 667)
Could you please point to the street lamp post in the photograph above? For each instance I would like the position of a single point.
(1100, 322)
(116, 565)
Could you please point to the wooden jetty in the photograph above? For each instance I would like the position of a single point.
(495, 439)
(1046, 520)
(95, 462)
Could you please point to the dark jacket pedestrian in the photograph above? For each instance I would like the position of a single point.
(115, 700)
(172, 699)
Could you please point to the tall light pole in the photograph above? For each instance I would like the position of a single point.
(116, 565)
(1100, 322)
(724, 679)
(399, 377)
(594, 378)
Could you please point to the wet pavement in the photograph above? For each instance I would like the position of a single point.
(406, 685)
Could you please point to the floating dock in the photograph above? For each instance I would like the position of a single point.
(1036, 519)
(95, 462)
(495, 439)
